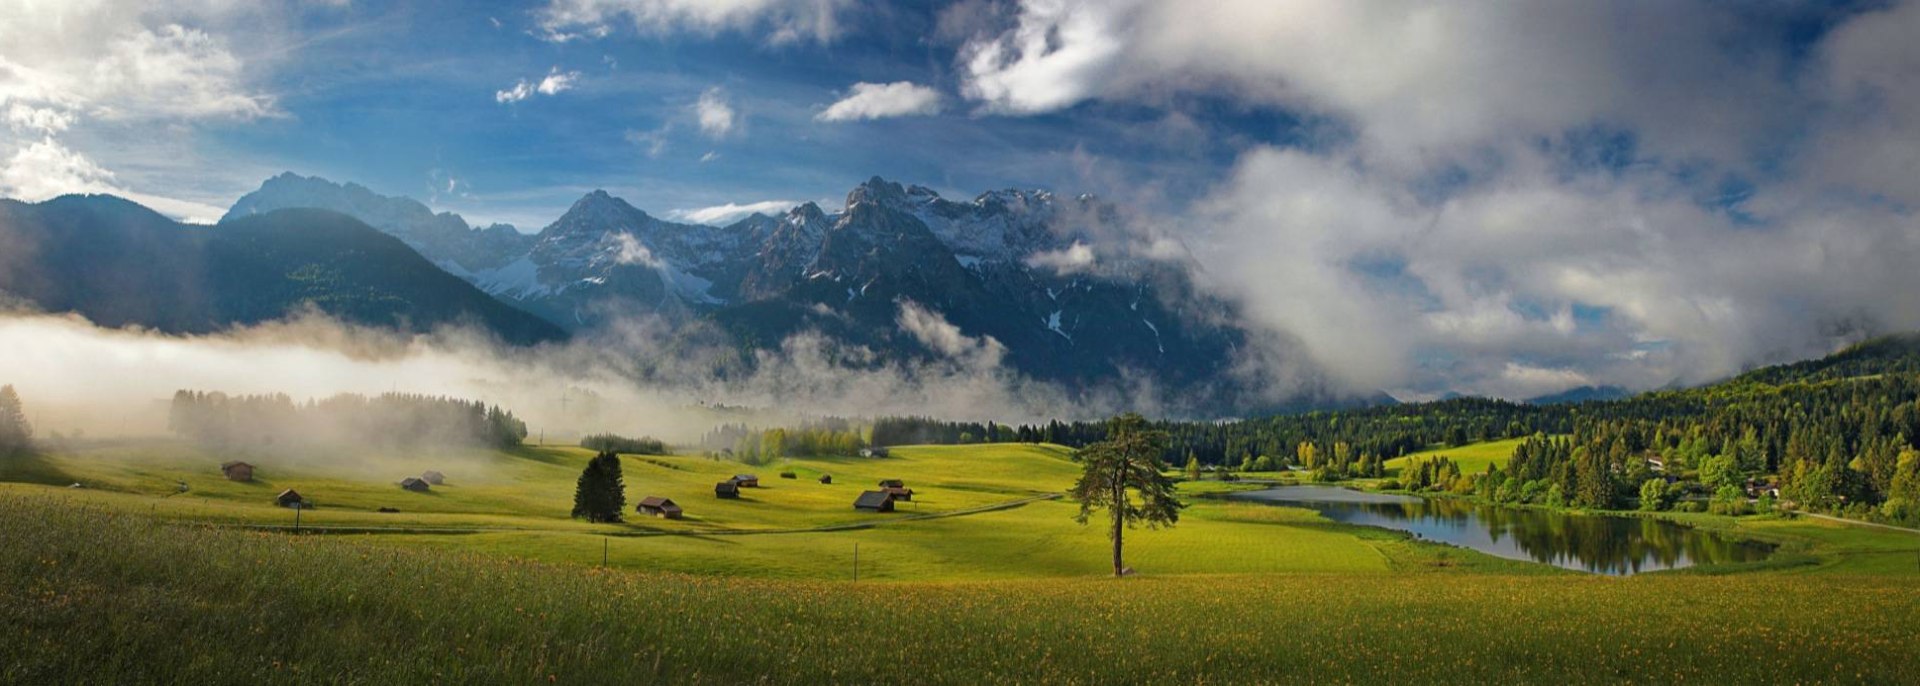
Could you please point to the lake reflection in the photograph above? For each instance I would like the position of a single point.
(1591, 543)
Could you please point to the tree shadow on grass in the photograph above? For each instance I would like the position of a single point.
(33, 468)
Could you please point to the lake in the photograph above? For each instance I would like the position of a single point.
(1600, 544)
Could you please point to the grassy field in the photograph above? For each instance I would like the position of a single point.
(1472, 458)
(94, 595)
(982, 578)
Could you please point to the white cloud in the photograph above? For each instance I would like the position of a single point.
(557, 82)
(630, 251)
(46, 120)
(46, 169)
(783, 21)
(933, 330)
(554, 83)
(731, 212)
(1073, 259)
(882, 100)
(717, 118)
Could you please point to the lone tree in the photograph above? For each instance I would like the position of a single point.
(1127, 464)
(601, 495)
(16, 435)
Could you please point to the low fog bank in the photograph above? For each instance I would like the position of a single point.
(76, 376)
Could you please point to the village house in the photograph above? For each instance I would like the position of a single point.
(414, 483)
(874, 501)
(433, 477)
(727, 489)
(237, 471)
(657, 506)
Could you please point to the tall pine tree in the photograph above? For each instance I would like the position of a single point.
(16, 435)
(601, 494)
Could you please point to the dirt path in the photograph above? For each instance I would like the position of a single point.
(1844, 520)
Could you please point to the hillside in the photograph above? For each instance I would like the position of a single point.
(120, 264)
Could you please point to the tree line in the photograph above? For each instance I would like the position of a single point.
(393, 419)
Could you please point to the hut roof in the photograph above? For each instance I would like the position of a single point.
(728, 486)
(656, 501)
(745, 477)
(429, 474)
(897, 491)
(873, 499)
(235, 463)
(288, 496)
(892, 483)
(413, 483)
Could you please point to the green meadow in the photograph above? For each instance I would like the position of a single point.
(984, 577)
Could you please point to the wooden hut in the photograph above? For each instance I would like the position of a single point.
(726, 489)
(433, 477)
(657, 506)
(892, 483)
(899, 493)
(237, 471)
(290, 498)
(415, 484)
(746, 480)
(874, 501)
(826, 478)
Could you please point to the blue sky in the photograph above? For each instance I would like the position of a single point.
(1475, 196)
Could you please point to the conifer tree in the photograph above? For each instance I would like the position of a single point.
(16, 435)
(601, 493)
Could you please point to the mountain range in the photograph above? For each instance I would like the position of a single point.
(1017, 278)
(119, 264)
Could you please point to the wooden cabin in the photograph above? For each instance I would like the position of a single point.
(892, 483)
(874, 501)
(433, 477)
(415, 484)
(826, 478)
(747, 480)
(789, 475)
(290, 498)
(726, 489)
(237, 471)
(657, 506)
(899, 493)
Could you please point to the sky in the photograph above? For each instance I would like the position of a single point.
(1483, 197)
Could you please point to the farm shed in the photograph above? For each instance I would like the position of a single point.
(747, 480)
(414, 483)
(875, 501)
(657, 506)
(826, 478)
(726, 489)
(892, 483)
(900, 493)
(237, 471)
(290, 498)
(433, 477)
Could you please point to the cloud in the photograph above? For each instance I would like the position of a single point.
(1072, 259)
(717, 118)
(46, 168)
(731, 212)
(554, 83)
(782, 21)
(883, 100)
(631, 252)
(933, 330)
(655, 141)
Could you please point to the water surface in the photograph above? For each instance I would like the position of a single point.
(1601, 544)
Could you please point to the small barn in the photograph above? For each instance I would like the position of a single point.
(826, 478)
(433, 477)
(875, 451)
(726, 489)
(657, 506)
(789, 475)
(746, 480)
(237, 471)
(892, 483)
(415, 484)
(290, 498)
(874, 501)
(899, 493)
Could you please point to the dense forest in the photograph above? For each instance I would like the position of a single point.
(391, 419)
(1838, 434)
